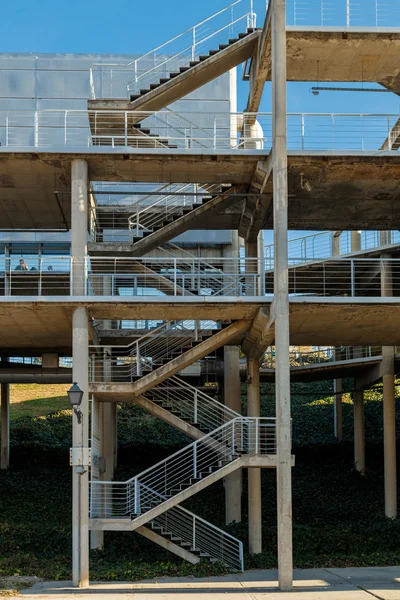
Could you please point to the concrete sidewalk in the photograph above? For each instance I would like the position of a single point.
(311, 584)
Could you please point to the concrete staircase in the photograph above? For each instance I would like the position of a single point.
(160, 221)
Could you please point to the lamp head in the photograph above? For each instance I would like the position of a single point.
(75, 395)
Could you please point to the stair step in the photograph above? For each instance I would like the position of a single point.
(174, 74)
(232, 41)
(143, 92)
(193, 63)
(201, 554)
(203, 57)
(134, 97)
(164, 80)
(213, 52)
(223, 46)
(153, 86)
(183, 69)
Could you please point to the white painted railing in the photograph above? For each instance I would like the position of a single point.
(123, 363)
(197, 461)
(344, 13)
(304, 356)
(320, 246)
(119, 80)
(195, 406)
(208, 131)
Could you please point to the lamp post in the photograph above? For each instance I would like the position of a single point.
(80, 460)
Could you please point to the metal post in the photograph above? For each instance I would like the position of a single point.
(281, 296)
(359, 431)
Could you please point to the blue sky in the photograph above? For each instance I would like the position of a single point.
(129, 27)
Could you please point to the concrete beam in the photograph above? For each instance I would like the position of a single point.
(261, 184)
(232, 399)
(168, 545)
(254, 475)
(167, 417)
(359, 430)
(231, 333)
(260, 335)
(260, 65)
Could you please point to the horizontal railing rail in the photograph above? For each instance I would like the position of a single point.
(202, 458)
(344, 13)
(326, 244)
(214, 131)
(304, 356)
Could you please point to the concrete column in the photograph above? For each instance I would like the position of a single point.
(338, 417)
(359, 431)
(336, 243)
(389, 407)
(281, 297)
(355, 241)
(254, 475)
(5, 426)
(252, 267)
(80, 371)
(233, 482)
(80, 431)
(79, 224)
(385, 238)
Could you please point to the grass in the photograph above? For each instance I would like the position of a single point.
(338, 515)
(35, 400)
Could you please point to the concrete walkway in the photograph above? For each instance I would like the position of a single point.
(313, 584)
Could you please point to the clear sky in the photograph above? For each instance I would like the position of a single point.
(130, 27)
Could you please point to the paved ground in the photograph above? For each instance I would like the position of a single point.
(315, 584)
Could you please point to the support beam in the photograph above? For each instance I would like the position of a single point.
(80, 373)
(5, 426)
(254, 475)
(389, 407)
(260, 335)
(232, 399)
(260, 66)
(359, 431)
(281, 300)
(355, 241)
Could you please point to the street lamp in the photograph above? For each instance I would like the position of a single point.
(75, 396)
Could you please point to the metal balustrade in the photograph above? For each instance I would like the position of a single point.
(194, 405)
(207, 131)
(119, 80)
(305, 356)
(197, 461)
(344, 13)
(124, 363)
(319, 246)
(201, 535)
(127, 278)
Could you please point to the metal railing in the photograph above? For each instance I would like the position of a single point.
(195, 462)
(347, 13)
(120, 80)
(212, 131)
(174, 277)
(303, 356)
(123, 363)
(320, 246)
(194, 405)
(201, 535)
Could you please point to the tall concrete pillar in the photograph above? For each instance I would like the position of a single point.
(389, 406)
(355, 241)
(254, 475)
(337, 383)
(79, 224)
(233, 482)
(80, 372)
(281, 296)
(338, 413)
(359, 430)
(5, 426)
(385, 238)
